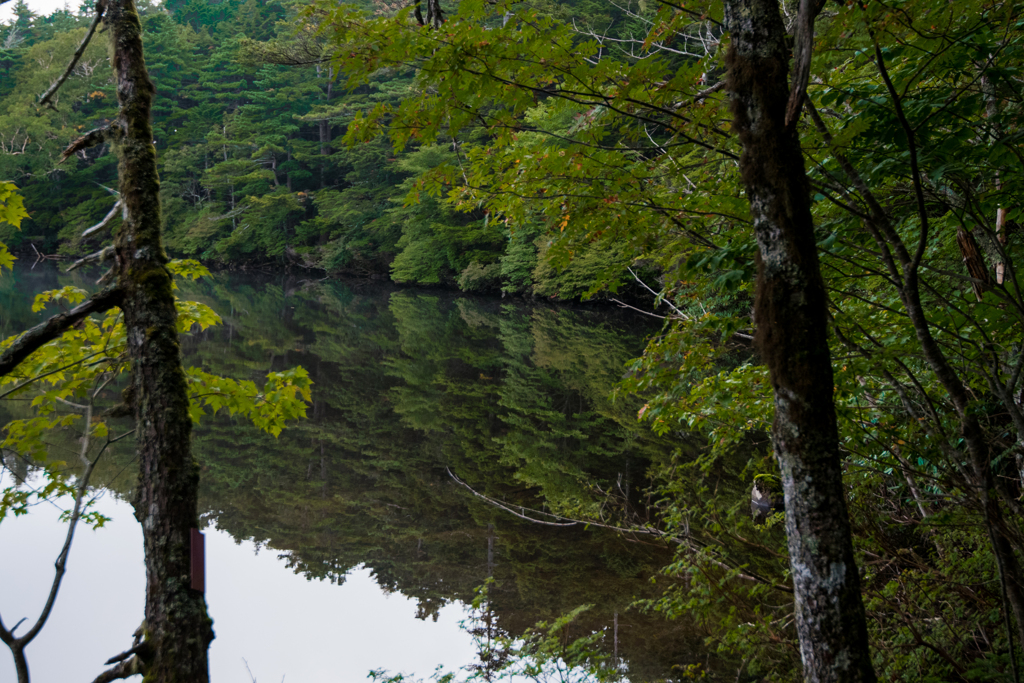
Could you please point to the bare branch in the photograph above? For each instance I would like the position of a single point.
(106, 220)
(230, 214)
(658, 298)
(126, 669)
(17, 644)
(141, 647)
(96, 136)
(802, 51)
(639, 310)
(60, 565)
(44, 99)
(508, 509)
(104, 254)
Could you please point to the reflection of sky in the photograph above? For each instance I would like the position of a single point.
(285, 627)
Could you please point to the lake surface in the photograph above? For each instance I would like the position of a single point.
(346, 544)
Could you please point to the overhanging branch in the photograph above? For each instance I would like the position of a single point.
(31, 340)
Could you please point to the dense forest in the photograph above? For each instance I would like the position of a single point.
(253, 166)
(559, 150)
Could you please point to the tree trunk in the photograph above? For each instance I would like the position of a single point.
(325, 149)
(288, 175)
(177, 629)
(792, 328)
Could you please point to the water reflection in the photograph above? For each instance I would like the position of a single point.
(271, 622)
(409, 384)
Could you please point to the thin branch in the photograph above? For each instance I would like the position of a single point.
(496, 504)
(18, 644)
(658, 298)
(141, 647)
(30, 380)
(106, 220)
(104, 254)
(61, 564)
(646, 530)
(640, 310)
(915, 172)
(44, 99)
(803, 49)
(230, 214)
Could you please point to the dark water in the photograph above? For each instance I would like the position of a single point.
(413, 388)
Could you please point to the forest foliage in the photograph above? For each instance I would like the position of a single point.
(250, 128)
(550, 148)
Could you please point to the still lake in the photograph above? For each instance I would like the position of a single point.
(346, 544)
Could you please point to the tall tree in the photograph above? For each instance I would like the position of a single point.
(790, 314)
(177, 632)
(177, 629)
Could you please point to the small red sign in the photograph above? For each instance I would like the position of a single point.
(198, 547)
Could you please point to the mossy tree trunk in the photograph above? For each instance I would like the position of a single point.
(177, 629)
(792, 328)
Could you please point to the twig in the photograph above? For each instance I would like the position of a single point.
(126, 654)
(44, 99)
(648, 531)
(40, 256)
(657, 296)
(237, 211)
(251, 677)
(506, 508)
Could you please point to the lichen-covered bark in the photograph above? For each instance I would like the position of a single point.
(790, 315)
(177, 629)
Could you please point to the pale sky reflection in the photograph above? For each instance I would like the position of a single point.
(284, 626)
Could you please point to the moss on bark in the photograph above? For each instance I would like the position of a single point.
(792, 338)
(178, 629)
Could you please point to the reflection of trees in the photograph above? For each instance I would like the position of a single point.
(407, 384)
(512, 398)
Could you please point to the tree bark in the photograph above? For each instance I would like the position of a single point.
(792, 338)
(177, 629)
